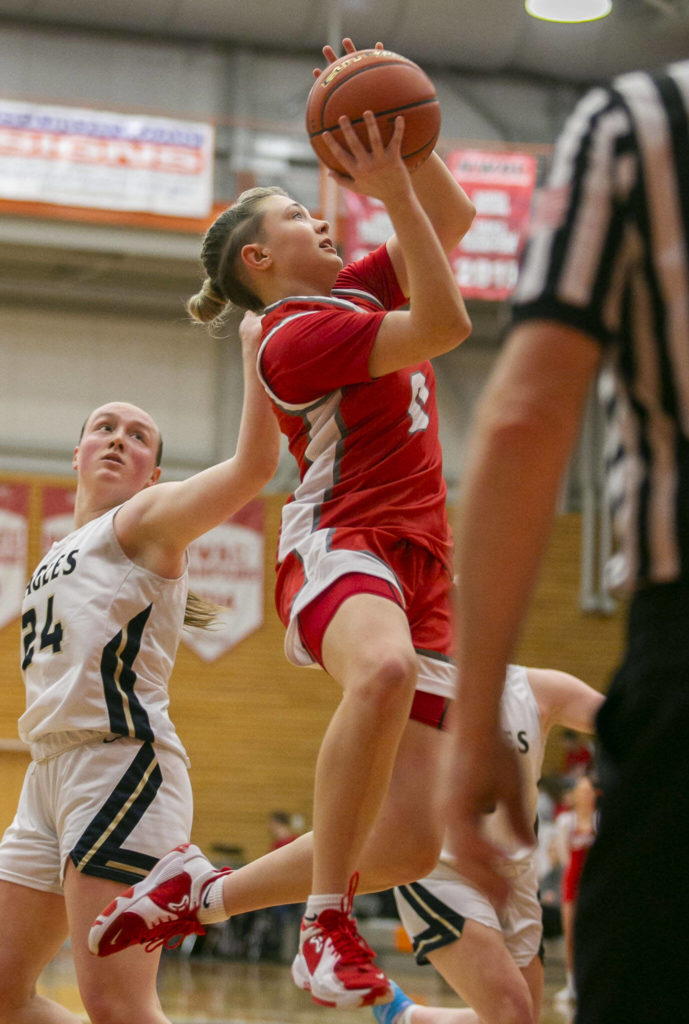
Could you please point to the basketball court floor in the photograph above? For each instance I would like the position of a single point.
(196, 990)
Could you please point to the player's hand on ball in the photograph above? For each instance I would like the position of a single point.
(369, 170)
(348, 47)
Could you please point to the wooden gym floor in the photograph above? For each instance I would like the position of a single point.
(198, 990)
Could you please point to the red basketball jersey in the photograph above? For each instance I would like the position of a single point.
(368, 450)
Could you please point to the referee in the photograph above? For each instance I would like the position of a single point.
(605, 282)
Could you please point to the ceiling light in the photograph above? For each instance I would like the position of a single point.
(568, 10)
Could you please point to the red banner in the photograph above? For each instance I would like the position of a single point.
(58, 515)
(486, 263)
(500, 185)
(14, 533)
(367, 225)
(226, 568)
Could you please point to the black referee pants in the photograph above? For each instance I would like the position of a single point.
(632, 918)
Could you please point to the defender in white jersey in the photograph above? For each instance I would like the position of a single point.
(109, 674)
(493, 957)
(107, 791)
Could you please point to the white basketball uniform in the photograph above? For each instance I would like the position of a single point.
(108, 784)
(434, 909)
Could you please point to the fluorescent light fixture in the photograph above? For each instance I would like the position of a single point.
(568, 10)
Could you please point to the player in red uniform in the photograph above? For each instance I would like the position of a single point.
(364, 553)
(576, 832)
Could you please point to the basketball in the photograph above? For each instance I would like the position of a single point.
(388, 85)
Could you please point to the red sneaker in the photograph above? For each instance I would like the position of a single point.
(335, 964)
(161, 909)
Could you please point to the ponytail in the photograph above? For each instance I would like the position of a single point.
(200, 613)
(223, 290)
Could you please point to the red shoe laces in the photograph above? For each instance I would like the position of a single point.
(343, 934)
(352, 948)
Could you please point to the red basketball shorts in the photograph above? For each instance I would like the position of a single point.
(313, 583)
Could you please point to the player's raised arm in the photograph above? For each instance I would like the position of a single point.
(447, 207)
(437, 320)
(564, 700)
(156, 525)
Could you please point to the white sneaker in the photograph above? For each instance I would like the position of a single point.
(161, 909)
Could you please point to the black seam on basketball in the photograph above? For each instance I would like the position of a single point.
(379, 113)
(415, 152)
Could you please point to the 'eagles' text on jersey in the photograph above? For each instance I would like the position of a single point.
(99, 639)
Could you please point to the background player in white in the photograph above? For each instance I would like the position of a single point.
(107, 791)
(364, 555)
(492, 958)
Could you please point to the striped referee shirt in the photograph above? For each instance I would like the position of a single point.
(609, 255)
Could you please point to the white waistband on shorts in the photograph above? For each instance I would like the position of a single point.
(55, 743)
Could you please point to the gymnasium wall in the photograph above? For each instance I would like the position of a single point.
(235, 85)
(252, 723)
(94, 311)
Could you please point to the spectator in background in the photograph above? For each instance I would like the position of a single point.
(281, 829)
(273, 932)
(550, 890)
(577, 754)
(576, 830)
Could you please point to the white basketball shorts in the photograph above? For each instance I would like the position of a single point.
(113, 806)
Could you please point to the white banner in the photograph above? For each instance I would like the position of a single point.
(14, 534)
(110, 161)
(226, 568)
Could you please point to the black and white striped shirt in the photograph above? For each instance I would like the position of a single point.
(609, 255)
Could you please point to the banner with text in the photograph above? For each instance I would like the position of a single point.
(486, 263)
(226, 568)
(500, 185)
(105, 160)
(14, 536)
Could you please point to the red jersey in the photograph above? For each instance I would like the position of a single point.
(368, 449)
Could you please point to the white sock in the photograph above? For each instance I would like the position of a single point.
(405, 1015)
(323, 901)
(212, 907)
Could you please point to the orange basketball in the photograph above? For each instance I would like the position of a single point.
(388, 85)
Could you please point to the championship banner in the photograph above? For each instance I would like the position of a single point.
(500, 185)
(226, 568)
(58, 515)
(367, 226)
(14, 535)
(486, 263)
(110, 161)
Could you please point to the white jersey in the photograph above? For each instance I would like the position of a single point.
(521, 721)
(99, 639)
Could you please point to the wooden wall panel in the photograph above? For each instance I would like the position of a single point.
(252, 723)
(558, 635)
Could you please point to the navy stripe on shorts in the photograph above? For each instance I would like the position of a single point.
(99, 851)
(444, 924)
